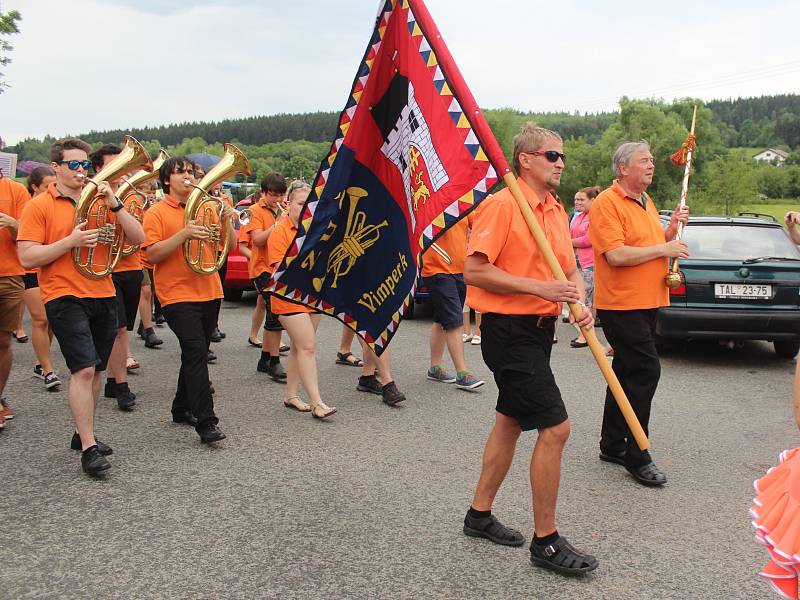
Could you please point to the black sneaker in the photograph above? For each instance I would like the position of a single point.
(185, 417)
(51, 381)
(211, 434)
(216, 335)
(75, 444)
(212, 357)
(151, 340)
(140, 330)
(38, 371)
(110, 390)
(391, 395)
(262, 366)
(277, 372)
(369, 383)
(93, 462)
(125, 400)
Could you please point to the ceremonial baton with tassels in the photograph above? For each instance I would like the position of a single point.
(682, 157)
(498, 160)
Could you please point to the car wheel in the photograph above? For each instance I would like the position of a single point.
(233, 294)
(786, 349)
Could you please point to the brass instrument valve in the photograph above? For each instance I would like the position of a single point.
(106, 234)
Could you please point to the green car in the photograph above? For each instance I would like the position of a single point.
(741, 282)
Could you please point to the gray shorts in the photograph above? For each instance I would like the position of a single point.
(588, 283)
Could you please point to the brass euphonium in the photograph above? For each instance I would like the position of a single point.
(91, 208)
(136, 202)
(207, 256)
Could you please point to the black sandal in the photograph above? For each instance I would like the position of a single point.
(563, 557)
(492, 529)
(345, 359)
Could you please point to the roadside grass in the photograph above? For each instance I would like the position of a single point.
(777, 208)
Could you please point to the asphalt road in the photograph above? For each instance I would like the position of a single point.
(370, 504)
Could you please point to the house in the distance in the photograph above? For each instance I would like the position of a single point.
(772, 155)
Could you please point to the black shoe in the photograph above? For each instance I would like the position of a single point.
(617, 459)
(369, 383)
(151, 340)
(140, 330)
(391, 395)
(648, 474)
(492, 529)
(211, 388)
(125, 400)
(222, 334)
(110, 390)
(159, 319)
(262, 366)
(563, 557)
(277, 372)
(185, 417)
(75, 444)
(212, 357)
(211, 434)
(93, 461)
(216, 335)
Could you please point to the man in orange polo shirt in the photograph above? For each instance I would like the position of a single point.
(511, 284)
(445, 281)
(631, 258)
(188, 300)
(13, 198)
(82, 311)
(127, 278)
(265, 216)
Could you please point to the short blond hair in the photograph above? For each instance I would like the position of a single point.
(530, 139)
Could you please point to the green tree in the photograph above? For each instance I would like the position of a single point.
(8, 26)
(731, 183)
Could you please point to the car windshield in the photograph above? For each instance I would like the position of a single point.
(738, 242)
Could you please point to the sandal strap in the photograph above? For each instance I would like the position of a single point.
(495, 528)
(564, 554)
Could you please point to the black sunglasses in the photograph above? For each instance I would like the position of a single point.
(551, 155)
(74, 164)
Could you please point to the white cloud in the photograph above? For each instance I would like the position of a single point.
(124, 64)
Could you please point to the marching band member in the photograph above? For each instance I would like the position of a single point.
(147, 298)
(300, 321)
(188, 300)
(127, 278)
(82, 311)
(265, 215)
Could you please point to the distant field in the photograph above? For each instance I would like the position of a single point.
(776, 210)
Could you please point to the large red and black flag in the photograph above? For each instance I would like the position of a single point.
(410, 158)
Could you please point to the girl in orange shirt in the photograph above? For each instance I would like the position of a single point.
(298, 320)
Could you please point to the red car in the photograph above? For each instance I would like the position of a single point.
(237, 279)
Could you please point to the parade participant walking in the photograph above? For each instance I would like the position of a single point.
(146, 296)
(13, 198)
(188, 300)
(579, 230)
(631, 249)
(82, 311)
(511, 284)
(300, 321)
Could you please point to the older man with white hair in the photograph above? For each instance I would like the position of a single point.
(632, 252)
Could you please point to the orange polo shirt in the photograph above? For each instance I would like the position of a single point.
(174, 280)
(48, 218)
(13, 198)
(501, 234)
(263, 218)
(277, 245)
(454, 243)
(615, 220)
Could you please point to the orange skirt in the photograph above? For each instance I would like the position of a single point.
(279, 306)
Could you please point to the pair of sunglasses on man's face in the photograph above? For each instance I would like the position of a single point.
(550, 155)
(74, 164)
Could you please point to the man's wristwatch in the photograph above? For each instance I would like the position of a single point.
(118, 207)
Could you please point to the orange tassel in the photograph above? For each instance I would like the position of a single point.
(680, 157)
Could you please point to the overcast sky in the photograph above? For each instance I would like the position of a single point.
(100, 64)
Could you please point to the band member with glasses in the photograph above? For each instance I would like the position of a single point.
(13, 198)
(127, 278)
(264, 219)
(631, 252)
(188, 300)
(81, 311)
(511, 284)
(41, 334)
(300, 321)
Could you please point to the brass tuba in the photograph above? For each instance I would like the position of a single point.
(91, 208)
(207, 256)
(136, 202)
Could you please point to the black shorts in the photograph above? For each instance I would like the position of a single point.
(517, 350)
(129, 287)
(261, 284)
(31, 280)
(85, 329)
(448, 293)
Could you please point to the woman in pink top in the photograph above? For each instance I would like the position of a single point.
(579, 229)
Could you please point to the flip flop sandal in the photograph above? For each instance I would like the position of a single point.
(576, 344)
(23, 339)
(563, 557)
(288, 404)
(344, 359)
(256, 344)
(492, 529)
(329, 410)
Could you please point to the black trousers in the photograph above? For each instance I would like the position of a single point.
(192, 323)
(636, 364)
(223, 271)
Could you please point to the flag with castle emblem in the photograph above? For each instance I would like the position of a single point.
(412, 155)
